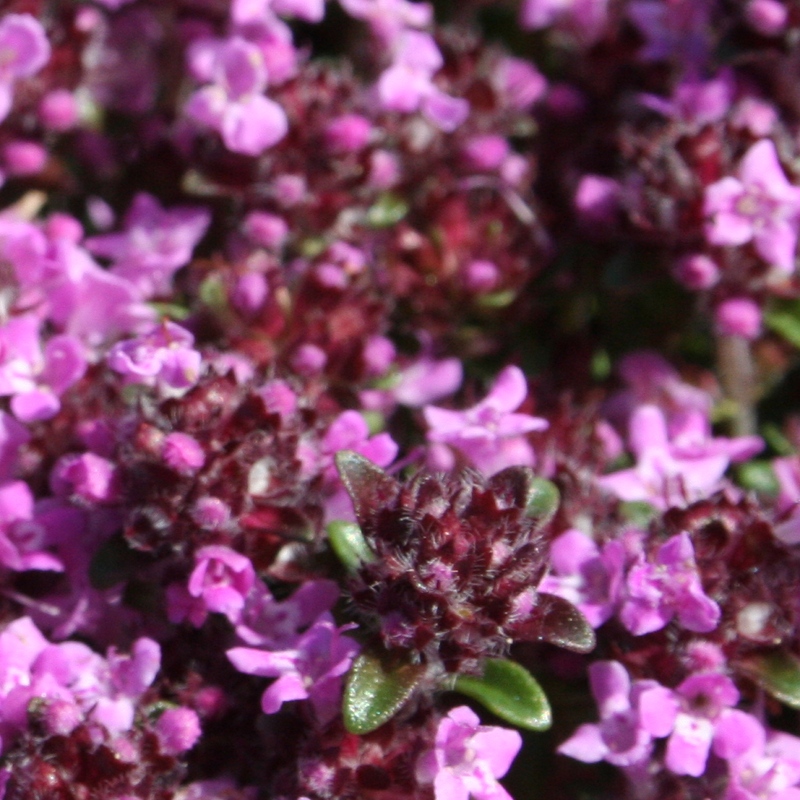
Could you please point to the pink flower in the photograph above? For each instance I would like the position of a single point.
(164, 356)
(677, 469)
(620, 738)
(666, 587)
(156, 243)
(699, 715)
(178, 729)
(588, 577)
(408, 86)
(232, 103)
(25, 50)
(760, 205)
(312, 669)
(770, 770)
(489, 434)
(389, 18)
(221, 580)
(586, 17)
(468, 758)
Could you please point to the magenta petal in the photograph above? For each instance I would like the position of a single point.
(36, 405)
(658, 709)
(687, 748)
(206, 105)
(570, 551)
(260, 662)
(448, 786)
(611, 687)
(648, 430)
(737, 733)
(446, 112)
(497, 747)
(586, 745)
(252, 125)
(697, 612)
(776, 244)
(760, 167)
(286, 688)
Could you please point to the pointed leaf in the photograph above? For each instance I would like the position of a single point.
(508, 690)
(376, 691)
(542, 500)
(558, 622)
(777, 673)
(349, 544)
(368, 486)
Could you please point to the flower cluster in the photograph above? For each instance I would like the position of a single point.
(371, 366)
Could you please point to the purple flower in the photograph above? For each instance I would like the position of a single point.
(389, 18)
(428, 379)
(589, 578)
(408, 86)
(272, 624)
(586, 17)
(770, 770)
(20, 536)
(232, 103)
(33, 378)
(86, 478)
(155, 244)
(667, 587)
(759, 205)
(673, 30)
(468, 758)
(164, 356)
(489, 434)
(221, 579)
(312, 669)
(698, 715)
(620, 737)
(672, 472)
(253, 11)
(25, 50)
(178, 729)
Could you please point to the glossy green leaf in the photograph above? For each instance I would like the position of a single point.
(543, 499)
(777, 673)
(376, 690)
(349, 544)
(509, 691)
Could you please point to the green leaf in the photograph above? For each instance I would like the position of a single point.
(777, 673)
(758, 476)
(497, 299)
(786, 324)
(376, 691)
(542, 501)
(638, 513)
(509, 691)
(113, 563)
(170, 310)
(212, 292)
(388, 211)
(349, 544)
